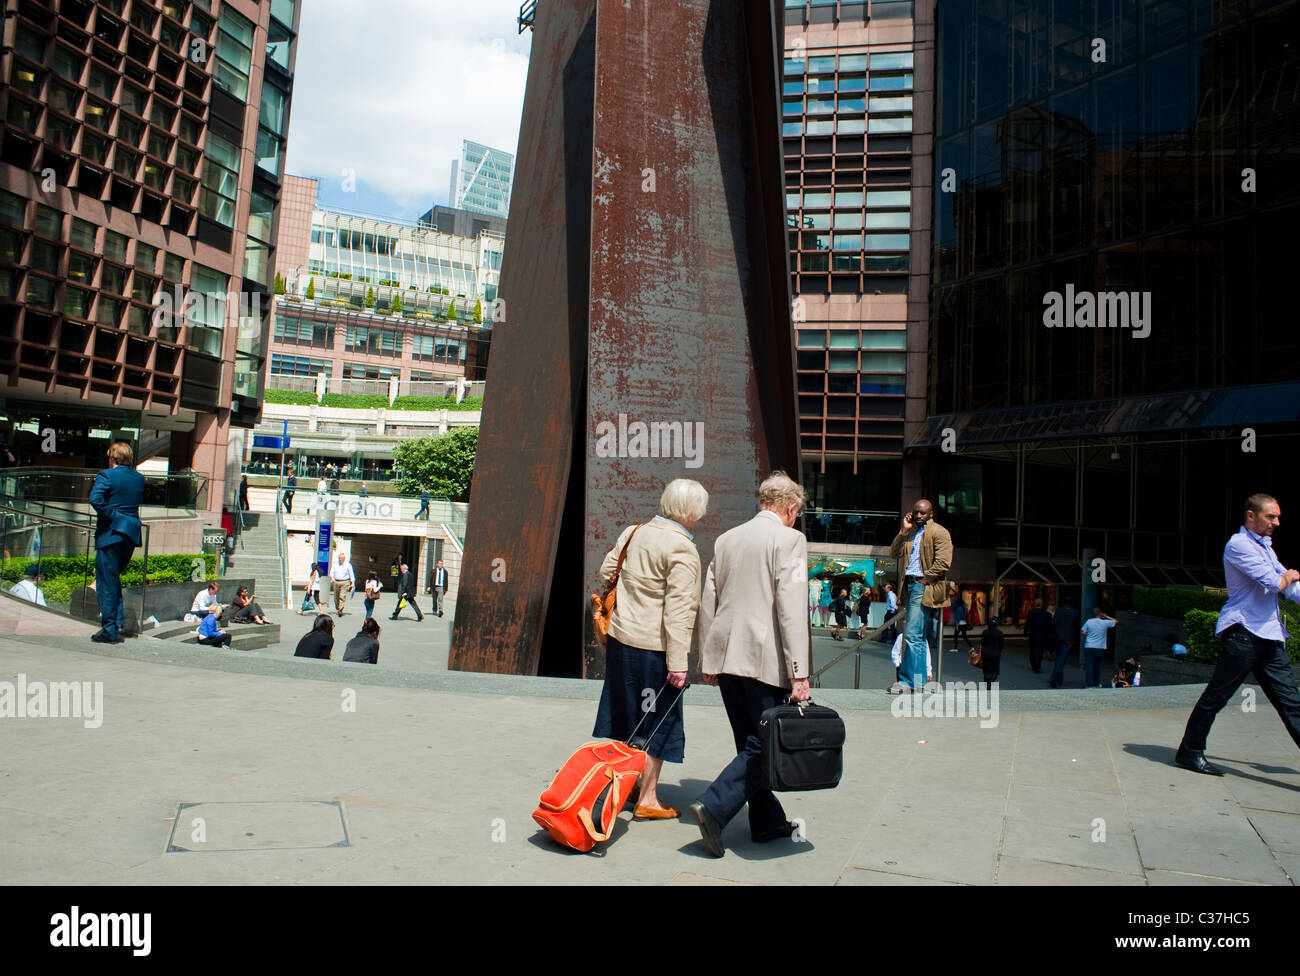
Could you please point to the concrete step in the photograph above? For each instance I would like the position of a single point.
(245, 637)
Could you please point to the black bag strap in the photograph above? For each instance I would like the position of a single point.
(650, 738)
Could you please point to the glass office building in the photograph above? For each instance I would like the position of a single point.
(481, 180)
(1113, 363)
(859, 250)
(141, 153)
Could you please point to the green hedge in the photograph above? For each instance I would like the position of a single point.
(354, 401)
(63, 574)
(1203, 646)
(1164, 601)
(437, 403)
(302, 398)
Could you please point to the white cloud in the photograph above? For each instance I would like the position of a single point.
(389, 88)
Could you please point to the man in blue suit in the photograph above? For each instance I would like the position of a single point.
(116, 497)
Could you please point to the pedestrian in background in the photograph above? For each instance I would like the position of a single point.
(406, 594)
(1040, 630)
(960, 620)
(243, 492)
(1067, 636)
(439, 587)
(424, 505)
(319, 641)
(1094, 646)
(343, 581)
(863, 610)
(650, 632)
(840, 608)
(115, 496)
(373, 586)
(991, 642)
(289, 487)
(891, 611)
(364, 648)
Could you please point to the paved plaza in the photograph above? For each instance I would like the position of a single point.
(252, 767)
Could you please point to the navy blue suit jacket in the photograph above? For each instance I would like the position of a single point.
(116, 497)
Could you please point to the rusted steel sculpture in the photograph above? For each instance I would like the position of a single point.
(647, 330)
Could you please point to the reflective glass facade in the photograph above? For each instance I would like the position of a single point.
(481, 180)
(1137, 161)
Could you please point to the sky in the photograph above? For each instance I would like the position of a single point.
(385, 90)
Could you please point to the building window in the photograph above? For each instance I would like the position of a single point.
(234, 53)
(220, 180)
(282, 365)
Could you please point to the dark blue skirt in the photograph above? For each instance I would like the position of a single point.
(636, 688)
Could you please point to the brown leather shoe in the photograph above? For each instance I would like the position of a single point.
(654, 813)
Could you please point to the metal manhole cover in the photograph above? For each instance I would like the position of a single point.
(266, 826)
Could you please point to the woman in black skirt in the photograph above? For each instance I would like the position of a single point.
(658, 595)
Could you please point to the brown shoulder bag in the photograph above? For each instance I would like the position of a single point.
(602, 604)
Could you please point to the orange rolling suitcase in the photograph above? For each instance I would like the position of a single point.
(580, 806)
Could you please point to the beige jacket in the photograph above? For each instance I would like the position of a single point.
(754, 612)
(658, 590)
(936, 560)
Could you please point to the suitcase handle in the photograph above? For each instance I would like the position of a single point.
(644, 715)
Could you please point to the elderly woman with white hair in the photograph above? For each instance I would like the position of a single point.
(650, 634)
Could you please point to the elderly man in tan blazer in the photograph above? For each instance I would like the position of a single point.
(754, 645)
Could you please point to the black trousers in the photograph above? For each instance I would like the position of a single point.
(410, 602)
(1243, 653)
(742, 781)
(1038, 648)
(220, 640)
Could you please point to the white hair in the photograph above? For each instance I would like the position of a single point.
(779, 490)
(684, 501)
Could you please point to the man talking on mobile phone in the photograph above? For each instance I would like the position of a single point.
(754, 645)
(927, 547)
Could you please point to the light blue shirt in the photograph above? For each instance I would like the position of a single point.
(891, 601)
(1252, 573)
(1094, 632)
(914, 564)
(689, 534)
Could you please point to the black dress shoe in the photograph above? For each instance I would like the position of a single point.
(710, 829)
(776, 834)
(1196, 763)
(104, 637)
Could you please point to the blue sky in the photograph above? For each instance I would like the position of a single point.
(386, 90)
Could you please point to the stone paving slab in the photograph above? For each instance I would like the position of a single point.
(436, 776)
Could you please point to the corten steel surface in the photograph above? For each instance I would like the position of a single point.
(525, 447)
(690, 315)
(689, 318)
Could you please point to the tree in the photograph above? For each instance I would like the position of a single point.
(478, 312)
(397, 304)
(279, 283)
(311, 289)
(451, 311)
(444, 465)
(370, 298)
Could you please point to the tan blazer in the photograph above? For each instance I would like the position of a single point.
(658, 590)
(754, 613)
(936, 560)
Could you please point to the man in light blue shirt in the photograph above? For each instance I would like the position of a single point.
(1250, 631)
(1094, 647)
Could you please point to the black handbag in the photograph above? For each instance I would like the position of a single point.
(803, 747)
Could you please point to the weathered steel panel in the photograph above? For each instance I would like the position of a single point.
(677, 213)
(535, 380)
(690, 319)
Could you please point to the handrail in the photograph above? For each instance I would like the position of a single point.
(893, 621)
